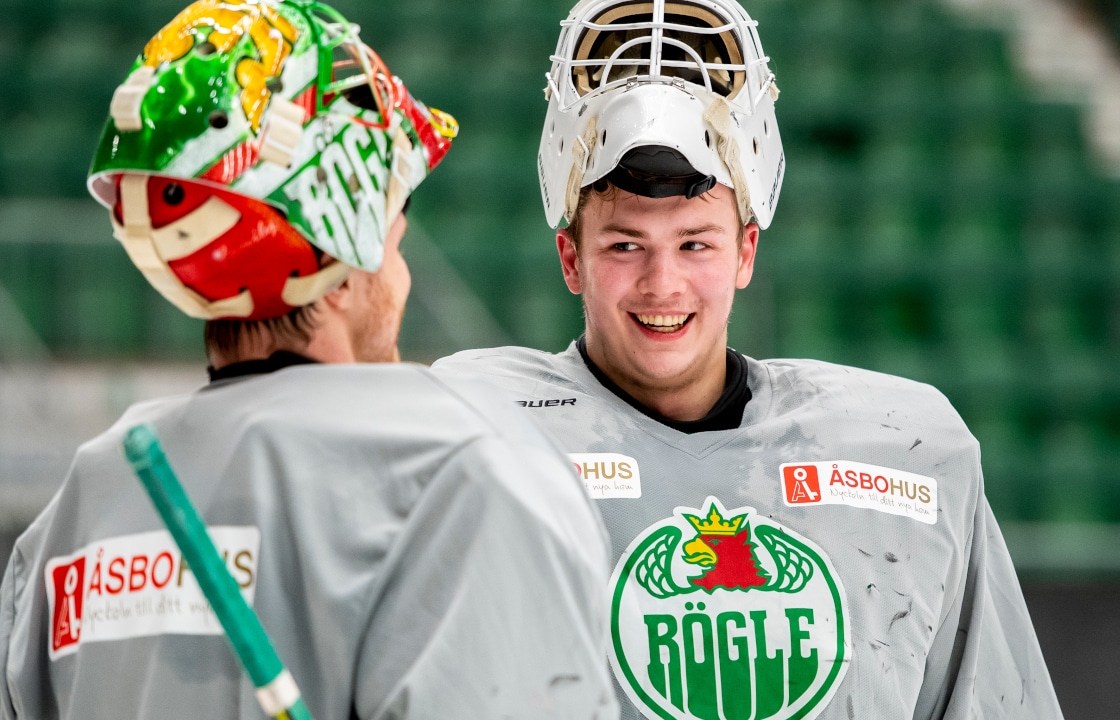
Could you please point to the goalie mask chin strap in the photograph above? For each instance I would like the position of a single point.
(152, 249)
(143, 245)
(656, 171)
(581, 154)
(718, 116)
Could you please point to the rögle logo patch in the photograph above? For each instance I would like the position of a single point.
(841, 482)
(139, 585)
(720, 613)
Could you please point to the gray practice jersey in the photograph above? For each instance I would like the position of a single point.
(413, 552)
(833, 557)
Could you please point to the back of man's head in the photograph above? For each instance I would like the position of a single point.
(249, 179)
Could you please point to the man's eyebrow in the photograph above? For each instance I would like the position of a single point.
(700, 230)
(623, 230)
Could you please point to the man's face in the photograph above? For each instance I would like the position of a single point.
(658, 277)
(375, 319)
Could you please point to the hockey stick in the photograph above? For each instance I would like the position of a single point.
(276, 689)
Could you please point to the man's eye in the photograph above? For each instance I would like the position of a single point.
(693, 245)
(625, 246)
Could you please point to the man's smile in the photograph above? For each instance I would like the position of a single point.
(663, 323)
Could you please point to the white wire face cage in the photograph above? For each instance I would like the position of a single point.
(706, 51)
(712, 44)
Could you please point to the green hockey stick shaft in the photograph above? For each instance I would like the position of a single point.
(276, 690)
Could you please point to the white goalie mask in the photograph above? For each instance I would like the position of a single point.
(660, 97)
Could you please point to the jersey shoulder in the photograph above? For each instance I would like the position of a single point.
(400, 409)
(861, 395)
(397, 423)
(388, 411)
(513, 368)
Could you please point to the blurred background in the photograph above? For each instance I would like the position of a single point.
(951, 213)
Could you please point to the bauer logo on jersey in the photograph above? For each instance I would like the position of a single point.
(724, 613)
(608, 475)
(840, 482)
(138, 585)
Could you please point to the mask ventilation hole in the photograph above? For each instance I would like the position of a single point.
(766, 128)
(707, 138)
(756, 146)
(320, 174)
(353, 183)
(552, 129)
(603, 138)
(206, 49)
(274, 85)
(218, 119)
(173, 194)
(561, 151)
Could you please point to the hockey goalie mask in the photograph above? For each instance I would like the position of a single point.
(662, 97)
(256, 153)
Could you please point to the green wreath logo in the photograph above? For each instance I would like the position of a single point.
(723, 614)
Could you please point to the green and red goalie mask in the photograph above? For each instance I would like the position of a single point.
(257, 152)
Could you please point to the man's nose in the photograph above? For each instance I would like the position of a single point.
(663, 276)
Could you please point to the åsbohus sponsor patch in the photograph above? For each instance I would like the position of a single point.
(608, 475)
(139, 585)
(842, 482)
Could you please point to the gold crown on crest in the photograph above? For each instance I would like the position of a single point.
(715, 524)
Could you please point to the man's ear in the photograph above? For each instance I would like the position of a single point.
(746, 255)
(341, 297)
(569, 260)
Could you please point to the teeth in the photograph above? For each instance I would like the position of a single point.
(662, 321)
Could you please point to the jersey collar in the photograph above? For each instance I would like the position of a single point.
(276, 361)
(726, 414)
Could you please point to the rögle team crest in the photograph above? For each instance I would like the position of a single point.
(721, 614)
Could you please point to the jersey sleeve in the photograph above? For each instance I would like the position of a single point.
(495, 602)
(7, 628)
(996, 668)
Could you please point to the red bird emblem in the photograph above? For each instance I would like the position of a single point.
(726, 550)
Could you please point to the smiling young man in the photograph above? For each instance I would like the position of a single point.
(413, 549)
(793, 539)
(658, 277)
